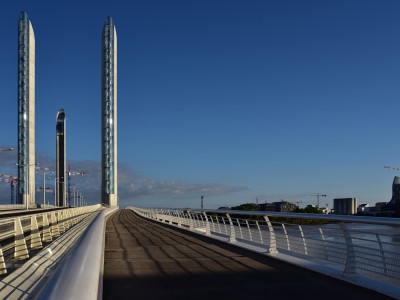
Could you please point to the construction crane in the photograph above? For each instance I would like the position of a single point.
(392, 168)
(314, 195)
(12, 181)
(68, 174)
(73, 173)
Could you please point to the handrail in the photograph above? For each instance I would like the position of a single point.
(353, 245)
(20, 235)
(330, 217)
(79, 277)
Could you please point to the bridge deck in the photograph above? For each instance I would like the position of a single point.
(149, 260)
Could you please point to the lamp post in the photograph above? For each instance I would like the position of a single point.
(76, 188)
(44, 187)
(55, 191)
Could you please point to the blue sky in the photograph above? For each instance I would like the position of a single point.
(233, 100)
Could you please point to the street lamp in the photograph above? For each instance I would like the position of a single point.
(76, 188)
(8, 149)
(44, 186)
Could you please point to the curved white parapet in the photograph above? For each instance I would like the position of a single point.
(78, 276)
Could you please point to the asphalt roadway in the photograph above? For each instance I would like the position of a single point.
(149, 260)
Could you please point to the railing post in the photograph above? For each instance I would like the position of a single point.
(232, 237)
(304, 240)
(35, 241)
(20, 249)
(286, 236)
(196, 217)
(226, 229)
(351, 267)
(382, 253)
(67, 219)
(167, 216)
(208, 232)
(212, 222)
(173, 215)
(46, 233)
(272, 239)
(259, 231)
(55, 231)
(219, 224)
(190, 221)
(61, 221)
(323, 243)
(74, 220)
(240, 229)
(178, 219)
(248, 228)
(3, 268)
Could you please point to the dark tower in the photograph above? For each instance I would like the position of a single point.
(394, 203)
(60, 157)
(109, 182)
(26, 111)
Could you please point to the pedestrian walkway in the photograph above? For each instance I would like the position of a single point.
(149, 260)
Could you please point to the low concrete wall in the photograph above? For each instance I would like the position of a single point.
(80, 275)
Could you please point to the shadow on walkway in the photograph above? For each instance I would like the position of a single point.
(150, 260)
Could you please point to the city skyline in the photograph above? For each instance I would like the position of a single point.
(231, 101)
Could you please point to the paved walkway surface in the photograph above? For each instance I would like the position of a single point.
(149, 260)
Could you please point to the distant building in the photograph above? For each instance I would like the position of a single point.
(267, 207)
(325, 210)
(395, 201)
(345, 206)
(363, 208)
(282, 206)
(379, 205)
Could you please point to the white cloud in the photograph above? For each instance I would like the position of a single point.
(130, 186)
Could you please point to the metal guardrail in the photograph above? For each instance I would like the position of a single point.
(80, 276)
(355, 245)
(12, 206)
(20, 235)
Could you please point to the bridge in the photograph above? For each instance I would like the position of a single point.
(99, 252)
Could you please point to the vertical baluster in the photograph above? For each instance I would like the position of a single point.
(232, 237)
(272, 239)
(350, 267)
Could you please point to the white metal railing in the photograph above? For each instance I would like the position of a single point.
(12, 206)
(20, 235)
(355, 245)
(80, 275)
